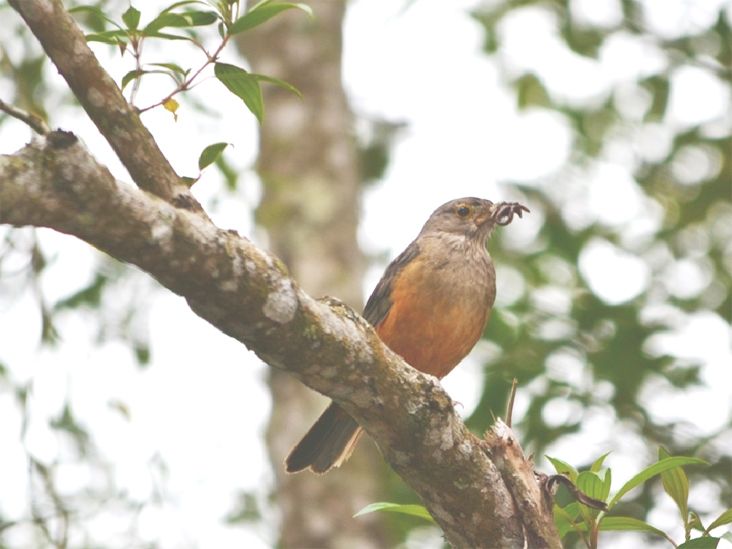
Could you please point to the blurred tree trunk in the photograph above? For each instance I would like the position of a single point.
(309, 169)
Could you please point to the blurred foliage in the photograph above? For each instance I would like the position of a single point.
(690, 184)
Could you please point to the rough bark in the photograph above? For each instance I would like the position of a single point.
(308, 165)
(247, 294)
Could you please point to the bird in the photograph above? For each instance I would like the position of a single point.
(431, 306)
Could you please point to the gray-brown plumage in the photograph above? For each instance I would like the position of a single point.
(430, 307)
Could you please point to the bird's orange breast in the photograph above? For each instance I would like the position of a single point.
(435, 319)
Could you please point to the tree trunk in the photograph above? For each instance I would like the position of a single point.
(308, 166)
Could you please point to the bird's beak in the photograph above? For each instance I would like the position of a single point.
(486, 213)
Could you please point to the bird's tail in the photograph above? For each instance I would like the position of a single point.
(328, 443)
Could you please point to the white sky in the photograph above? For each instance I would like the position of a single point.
(464, 137)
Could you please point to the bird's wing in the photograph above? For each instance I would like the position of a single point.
(379, 303)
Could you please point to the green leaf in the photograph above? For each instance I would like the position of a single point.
(607, 483)
(695, 522)
(164, 20)
(650, 472)
(130, 76)
(565, 517)
(563, 468)
(277, 82)
(724, 518)
(405, 509)
(264, 11)
(707, 542)
(172, 67)
(629, 524)
(183, 3)
(100, 37)
(676, 485)
(597, 464)
(180, 20)
(131, 18)
(94, 10)
(591, 485)
(200, 18)
(167, 36)
(210, 154)
(243, 85)
(113, 37)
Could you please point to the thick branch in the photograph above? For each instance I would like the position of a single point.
(248, 295)
(102, 100)
(532, 503)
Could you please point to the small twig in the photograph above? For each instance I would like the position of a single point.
(137, 54)
(511, 400)
(188, 82)
(36, 123)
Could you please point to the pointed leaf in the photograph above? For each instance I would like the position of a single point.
(277, 82)
(650, 472)
(131, 18)
(264, 11)
(181, 20)
(94, 10)
(172, 67)
(629, 524)
(563, 468)
(243, 85)
(113, 37)
(130, 76)
(607, 483)
(210, 154)
(164, 20)
(183, 3)
(167, 36)
(201, 18)
(707, 542)
(104, 38)
(676, 485)
(724, 518)
(406, 509)
(597, 464)
(695, 522)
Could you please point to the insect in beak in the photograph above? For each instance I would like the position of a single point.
(503, 212)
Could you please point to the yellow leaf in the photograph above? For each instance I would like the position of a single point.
(172, 106)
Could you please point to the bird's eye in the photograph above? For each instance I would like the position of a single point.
(463, 211)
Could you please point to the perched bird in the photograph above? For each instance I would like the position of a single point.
(430, 307)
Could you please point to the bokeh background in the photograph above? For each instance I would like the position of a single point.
(126, 421)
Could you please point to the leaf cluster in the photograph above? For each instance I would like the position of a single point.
(588, 521)
(184, 20)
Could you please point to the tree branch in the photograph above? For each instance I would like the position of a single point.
(247, 294)
(116, 119)
(36, 123)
